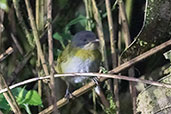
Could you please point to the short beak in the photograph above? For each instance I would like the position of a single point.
(96, 40)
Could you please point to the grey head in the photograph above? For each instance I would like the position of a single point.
(81, 39)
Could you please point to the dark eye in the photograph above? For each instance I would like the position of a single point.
(85, 40)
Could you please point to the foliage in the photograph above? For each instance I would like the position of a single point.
(23, 97)
(68, 18)
(112, 109)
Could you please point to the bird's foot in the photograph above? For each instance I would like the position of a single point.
(69, 95)
(96, 80)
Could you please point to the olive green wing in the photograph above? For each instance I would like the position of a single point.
(63, 58)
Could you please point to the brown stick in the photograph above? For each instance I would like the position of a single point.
(99, 28)
(126, 34)
(141, 57)
(17, 44)
(36, 37)
(10, 98)
(91, 84)
(6, 53)
(51, 60)
(113, 51)
(22, 23)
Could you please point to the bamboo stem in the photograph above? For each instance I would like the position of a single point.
(113, 51)
(51, 59)
(36, 37)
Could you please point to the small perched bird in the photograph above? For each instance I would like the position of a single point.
(81, 55)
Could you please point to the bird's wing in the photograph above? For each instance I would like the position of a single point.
(63, 58)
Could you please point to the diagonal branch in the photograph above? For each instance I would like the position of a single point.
(36, 37)
(6, 53)
(9, 97)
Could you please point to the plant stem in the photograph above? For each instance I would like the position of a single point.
(36, 37)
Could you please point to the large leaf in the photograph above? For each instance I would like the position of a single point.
(33, 98)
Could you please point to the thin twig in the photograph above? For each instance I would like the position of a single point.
(40, 22)
(124, 23)
(104, 77)
(51, 60)
(6, 53)
(17, 44)
(112, 36)
(11, 100)
(36, 37)
(22, 23)
(113, 51)
(126, 34)
(141, 57)
(19, 67)
(99, 28)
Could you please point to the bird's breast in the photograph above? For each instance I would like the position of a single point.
(76, 64)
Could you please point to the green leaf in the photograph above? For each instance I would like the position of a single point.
(21, 96)
(33, 98)
(3, 103)
(4, 5)
(58, 37)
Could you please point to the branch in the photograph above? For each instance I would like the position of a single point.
(104, 77)
(141, 57)
(126, 34)
(9, 97)
(6, 53)
(36, 37)
(21, 22)
(114, 54)
(17, 44)
(124, 23)
(20, 66)
(51, 59)
(99, 28)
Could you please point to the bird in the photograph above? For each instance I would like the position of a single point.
(81, 55)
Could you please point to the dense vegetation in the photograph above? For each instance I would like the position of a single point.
(134, 38)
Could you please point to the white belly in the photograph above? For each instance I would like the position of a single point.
(77, 65)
